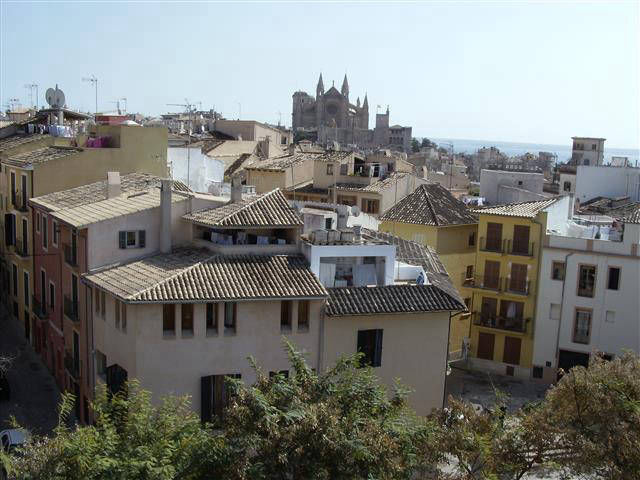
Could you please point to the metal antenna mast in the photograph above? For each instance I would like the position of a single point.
(190, 108)
(31, 86)
(94, 81)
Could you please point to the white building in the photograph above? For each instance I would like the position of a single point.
(500, 186)
(589, 299)
(607, 181)
(587, 151)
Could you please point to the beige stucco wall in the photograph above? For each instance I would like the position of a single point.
(175, 365)
(268, 180)
(414, 350)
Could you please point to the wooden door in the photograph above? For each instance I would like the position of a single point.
(512, 350)
(491, 274)
(485, 345)
(521, 239)
(494, 237)
(518, 281)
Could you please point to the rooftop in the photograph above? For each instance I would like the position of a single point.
(379, 186)
(195, 275)
(17, 139)
(618, 208)
(522, 209)
(287, 161)
(431, 204)
(40, 155)
(267, 210)
(94, 192)
(634, 216)
(390, 299)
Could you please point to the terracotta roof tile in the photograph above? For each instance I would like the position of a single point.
(523, 209)
(40, 155)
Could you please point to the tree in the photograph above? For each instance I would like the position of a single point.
(426, 143)
(415, 145)
(594, 414)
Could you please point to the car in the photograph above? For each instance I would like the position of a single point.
(11, 439)
(5, 388)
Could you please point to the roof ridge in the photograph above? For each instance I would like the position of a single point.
(433, 213)
(247, 205)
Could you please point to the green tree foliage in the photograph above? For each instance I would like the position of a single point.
(415, 145)
(426, 143)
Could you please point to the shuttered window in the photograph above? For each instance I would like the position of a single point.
(187, 319)
(303, 315)
(285, 315)
(214, 396)
(230, 311)
(370, 345)
(494, 237)
(169, 319)
(212, 318)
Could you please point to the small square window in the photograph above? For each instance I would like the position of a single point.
(613, 280)
(537, 372)
(554, 311)
(557, 270)
(610, 316)
(131, 239)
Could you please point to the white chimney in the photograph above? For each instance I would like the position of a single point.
(236, 189)
(113, 184)
(165, 215)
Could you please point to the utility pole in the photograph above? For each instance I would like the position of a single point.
(190, 109)
(94, 81)
(31, 86)
(239, 110)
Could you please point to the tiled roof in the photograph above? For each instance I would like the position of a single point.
(414, 253)
(431, 204)
(268, 210)
(125, 204)
(523, 209)
(309, 188)
(40, 155)
(633, 217)
(379, 186)
(194, 275)
(94, 192)
(16, 140)
(389, 299)
(287, 161)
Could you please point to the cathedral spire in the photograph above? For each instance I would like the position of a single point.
(358, 102)
(345, 86)
(320, 87)
(365, 104)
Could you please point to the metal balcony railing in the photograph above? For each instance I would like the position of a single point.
(70, 255)
(71, 308)
(501, 323)
(483, 281)
(72, 365)
(21, 248)
(492, 245)
(39, 309)
(499, 284)
(519, 287)
(526, 249)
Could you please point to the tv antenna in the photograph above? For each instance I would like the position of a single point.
(94, 81)
(31, 86)
(122, 111)
(190, 109)
(279, 117)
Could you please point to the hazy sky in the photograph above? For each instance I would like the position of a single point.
(513, 71)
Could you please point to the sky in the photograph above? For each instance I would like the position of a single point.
(536, 72)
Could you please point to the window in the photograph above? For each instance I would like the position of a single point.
(329, 168)
(169, 319)
(285, 315)
(370, 206)
(494, 237)
(567, 186)
(103, 304)
(469, 273)
(14, 276)
(55, 233)
(537, 372)
(124, 317)
(557, 270)
(554, 311)
(328, 223)
(582, 326)
(25, 278)
(186, 315)
(45, 239)
(418, 238)
(230, 311)
(38, 222)
(593, 146)
(613, 279)
(610, 316)
(97, 301)
(472, 239)
(370, 345)
(519, 183)
(13, 189)
(132, 239)
(214, 396)
(52, 295)
(303, 315)
(43, 290)
(586, 280)
(467, 303)
(101, 365)
(116, 308)
(25, 236)
(212, 318)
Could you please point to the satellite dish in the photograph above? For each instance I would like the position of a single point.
(55, 97)
(355, 211)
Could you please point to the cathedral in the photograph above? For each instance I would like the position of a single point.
(330, 117)
(329, 109)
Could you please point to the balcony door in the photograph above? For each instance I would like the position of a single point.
(512, 346)
(485, 345)
(494, 237)
(491, 274)
(521, 239)
(518, 282)
(489, 309)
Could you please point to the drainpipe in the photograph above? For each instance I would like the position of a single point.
(446, 363)
(564, 280)
(321, 334)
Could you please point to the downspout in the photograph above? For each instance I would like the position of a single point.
(564, 280)
(446, 364)
(321, 334)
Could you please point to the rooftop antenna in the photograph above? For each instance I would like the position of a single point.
(239, 110)
(279, 117)
(94, 81)
(190, 108)
(12, 103)
(31, 86)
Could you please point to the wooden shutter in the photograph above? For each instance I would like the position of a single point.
(518, 282)
(485, 345)
(489, 308)
(521, 239)
(491, 274)
(122, 239)
(494, 236)
(377, 355)
(142, 238)
(8, 236)
(206, 398)
(512, 350)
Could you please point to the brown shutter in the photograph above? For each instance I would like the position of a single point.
(494, 236)
(518, 281)
(485, 345)
(512, 350)
(521, 239)
(491, 274)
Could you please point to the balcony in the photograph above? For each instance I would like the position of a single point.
(20, 201)
(526, 249)
(39, 309)
(21, 248)
(483, 282)
(497, 284)
(517, 287)
(71, 308)
(72, 365)
(501, 323)
(492, 245)
(70, 255)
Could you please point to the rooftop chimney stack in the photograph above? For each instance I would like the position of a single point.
(113, 185)
(236, 190)
(165, 215)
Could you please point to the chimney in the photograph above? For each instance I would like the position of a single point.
(165, 215)
(113, 184)
(236, 189)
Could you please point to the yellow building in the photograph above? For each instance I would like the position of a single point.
(505, 283)
(433, 216)
(37, 164)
